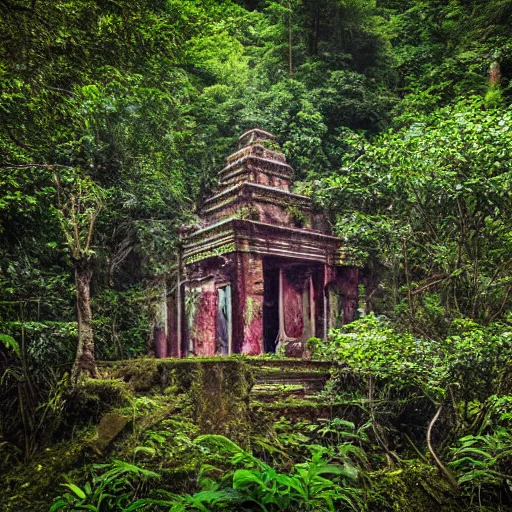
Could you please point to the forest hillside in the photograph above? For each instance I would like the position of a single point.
(115, 117)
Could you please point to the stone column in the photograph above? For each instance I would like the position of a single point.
(159, 311)
(350, 286)
(173, 349)
(250, 303)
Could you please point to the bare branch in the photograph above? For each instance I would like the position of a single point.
(448, 475)
(58, 89)
(15, 139)
(92, 221)
(24, 166)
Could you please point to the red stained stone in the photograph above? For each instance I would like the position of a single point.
(253, 223)
(253, 338)
(203, 334)
(293, 314)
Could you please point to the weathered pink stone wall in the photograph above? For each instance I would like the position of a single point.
(319, 303)
(250, 303)
(262, 211)
(202, 333)
(330, 275)
(293, 307)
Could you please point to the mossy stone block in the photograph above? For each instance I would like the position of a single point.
(416, 487)
(92, 398)
(110, 426)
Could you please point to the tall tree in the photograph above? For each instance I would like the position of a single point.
(79, 202)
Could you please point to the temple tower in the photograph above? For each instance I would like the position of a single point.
(262, 269)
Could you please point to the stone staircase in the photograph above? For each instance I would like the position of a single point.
(272, 387)
(288, 386)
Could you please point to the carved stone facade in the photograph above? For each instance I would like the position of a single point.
(262, 270)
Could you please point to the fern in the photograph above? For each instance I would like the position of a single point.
(478, 459)
(315, 485)
(112, 488)
(220, 443)
(10, 343)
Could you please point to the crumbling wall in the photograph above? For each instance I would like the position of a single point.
(220, 399)
(217, 389)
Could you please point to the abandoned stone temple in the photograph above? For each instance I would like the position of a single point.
(262, 270)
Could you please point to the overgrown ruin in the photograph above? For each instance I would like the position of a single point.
(262, 271)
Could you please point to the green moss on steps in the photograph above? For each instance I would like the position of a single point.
(140, 374)
(88, 401)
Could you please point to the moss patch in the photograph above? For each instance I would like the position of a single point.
(140, 374)
(31, 486)
(109, 428)
(220, 398)
(414, 488)
(91, 399)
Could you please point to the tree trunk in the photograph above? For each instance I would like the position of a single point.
(84, 360)
(159, 314)
(290, 41)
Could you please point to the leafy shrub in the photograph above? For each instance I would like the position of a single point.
(121, 323)
(314, 485)
(482, 461)
(114, 486)
(10, 343)
(48, 343)
(406, 378)
(474, 362)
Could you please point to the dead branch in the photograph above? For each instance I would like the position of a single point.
(429, 282)
(440, 465)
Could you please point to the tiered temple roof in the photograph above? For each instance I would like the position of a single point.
(254, 210)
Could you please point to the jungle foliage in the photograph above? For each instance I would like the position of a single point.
(397, 117)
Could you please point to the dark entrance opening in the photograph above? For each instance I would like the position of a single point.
(270, 309)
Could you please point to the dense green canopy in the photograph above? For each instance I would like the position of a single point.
(143, 101)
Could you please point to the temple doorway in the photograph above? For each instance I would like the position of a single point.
(271, 309)
(223, 324)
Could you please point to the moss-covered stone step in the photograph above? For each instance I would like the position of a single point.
(292, 408)
(311, 408)
(217, 388)
(273, 392)
(288, 364)
(311, 380)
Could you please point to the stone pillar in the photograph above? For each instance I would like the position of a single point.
(350, 286)
(201, 311)
(159, 311)
(173, 349)
(250, 303)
